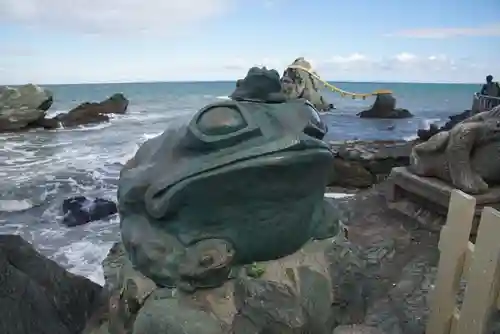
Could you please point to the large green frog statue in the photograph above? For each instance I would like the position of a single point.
(225, 228)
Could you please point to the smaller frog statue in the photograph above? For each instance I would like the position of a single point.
(467, 156)
(225, 228)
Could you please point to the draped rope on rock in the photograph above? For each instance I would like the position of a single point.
(335, 89)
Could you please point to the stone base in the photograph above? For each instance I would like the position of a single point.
(427, 199)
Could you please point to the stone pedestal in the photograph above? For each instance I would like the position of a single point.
(427, 198)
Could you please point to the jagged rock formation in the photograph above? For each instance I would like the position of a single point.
(298, 83)
(425, 134)
(25, 108)
(95, 112)
(38, 296)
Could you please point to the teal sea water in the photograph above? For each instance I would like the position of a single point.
(40, 168)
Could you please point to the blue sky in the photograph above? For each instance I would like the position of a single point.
(61, 41)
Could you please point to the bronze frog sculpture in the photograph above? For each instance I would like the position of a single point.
(467, 156)
(224, 224)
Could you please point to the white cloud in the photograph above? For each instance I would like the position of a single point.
(403, 66)
(405, 57)
(111, 16)
(484, 30)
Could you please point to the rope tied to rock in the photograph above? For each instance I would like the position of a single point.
(335, 89)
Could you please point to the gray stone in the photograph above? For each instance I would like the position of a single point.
(37, 295)
(22, 106)
(298, 83)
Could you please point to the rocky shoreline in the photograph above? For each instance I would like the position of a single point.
(26, 107)
(361, 164)
(400, 255)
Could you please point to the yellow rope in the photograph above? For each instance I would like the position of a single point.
(338, 90)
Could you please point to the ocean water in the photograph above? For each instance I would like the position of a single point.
(38, 169)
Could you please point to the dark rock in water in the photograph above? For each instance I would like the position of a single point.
(81, 210)
(46, 104)
(39, 297)
(88, 113)
(385, 107)
(425, 134)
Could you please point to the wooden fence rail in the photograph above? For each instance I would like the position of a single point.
(482, 103)
(478, 263)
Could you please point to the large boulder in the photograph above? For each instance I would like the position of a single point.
(94, 112)
(37, 295)
(385, 107)
(22, 106)
(300, 81)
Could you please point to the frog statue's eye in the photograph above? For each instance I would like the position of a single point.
(219, 121)
(316, 127)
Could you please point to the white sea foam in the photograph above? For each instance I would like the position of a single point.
(84, 258)
(337, 195)
(12, 205)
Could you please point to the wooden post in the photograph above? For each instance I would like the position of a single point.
(453, 245)
(481, 292)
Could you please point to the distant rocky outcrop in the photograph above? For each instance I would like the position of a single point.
(22, 106)
(37, 295)
(425, 134)
(385, 107)
(94, 112)
(25, 108)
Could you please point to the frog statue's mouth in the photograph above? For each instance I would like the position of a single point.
(266, 199)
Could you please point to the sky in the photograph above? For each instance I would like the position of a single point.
(87, 41)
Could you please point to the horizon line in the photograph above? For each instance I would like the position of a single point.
(231, 81)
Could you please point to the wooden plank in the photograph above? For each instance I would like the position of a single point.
(469, 253)
(453, 245)
(482, 286)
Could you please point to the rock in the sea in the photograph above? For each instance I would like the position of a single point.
(88, 113)
(80, 210)
(39, 297)
(385, 107)
(298, 82)
(426, 134)
(22, 106)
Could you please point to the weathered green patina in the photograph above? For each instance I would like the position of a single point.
(224, 225)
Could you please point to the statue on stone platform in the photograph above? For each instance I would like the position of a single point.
(468, 155)
(225, 228)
